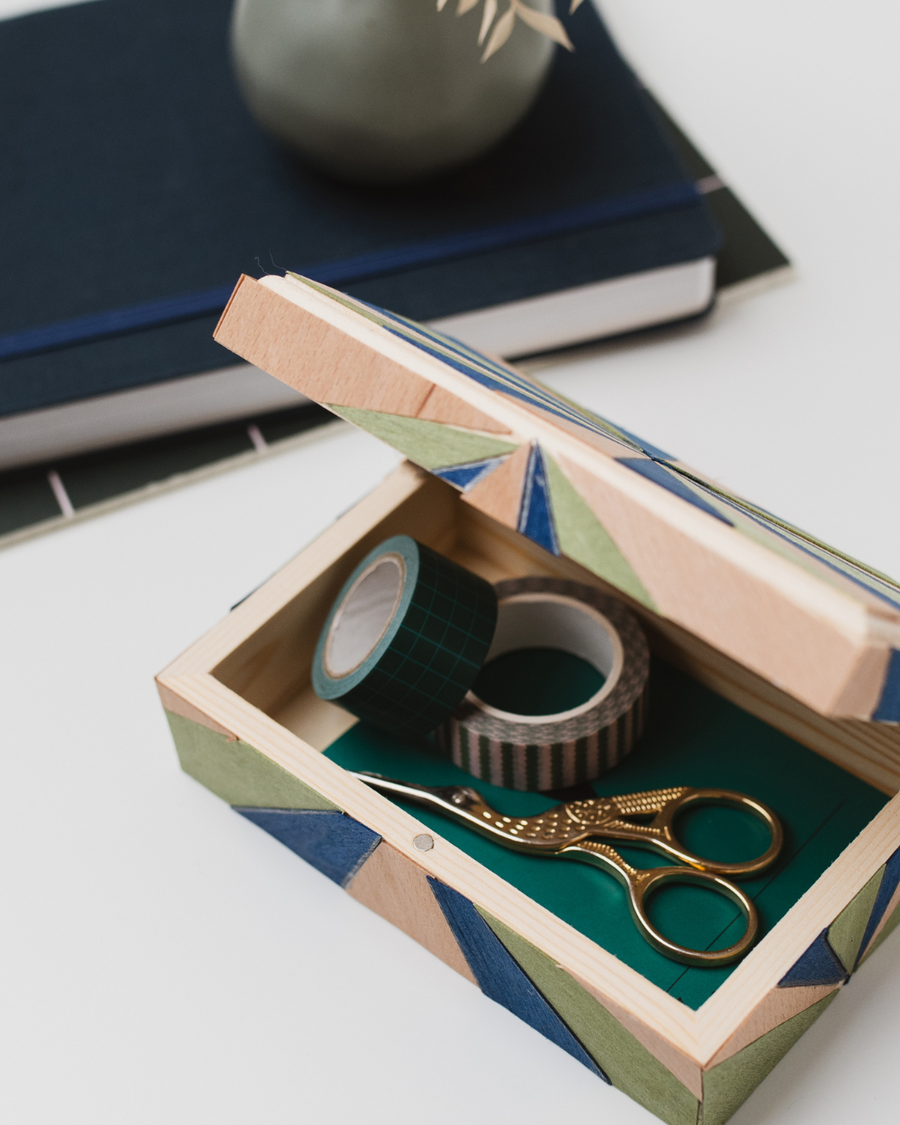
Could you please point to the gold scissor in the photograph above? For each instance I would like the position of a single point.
(576, 830)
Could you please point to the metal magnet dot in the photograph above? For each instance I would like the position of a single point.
(424, 843)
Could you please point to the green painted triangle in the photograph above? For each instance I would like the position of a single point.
(728, 1085)
(846, 932)
(628, 1064)
(429, 444)
(236, 772)
(583, 538)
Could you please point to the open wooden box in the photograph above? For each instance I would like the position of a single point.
(777, 666)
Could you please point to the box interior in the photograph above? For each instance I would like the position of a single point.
(694, 737)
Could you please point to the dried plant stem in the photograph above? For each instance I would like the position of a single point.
(503, 27)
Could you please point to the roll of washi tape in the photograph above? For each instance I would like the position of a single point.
(555, 751)
(405, 639)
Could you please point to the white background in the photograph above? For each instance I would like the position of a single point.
(162, 959)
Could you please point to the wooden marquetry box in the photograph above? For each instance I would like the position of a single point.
(776, 671)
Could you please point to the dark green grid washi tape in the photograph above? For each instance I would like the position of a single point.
(405, 638)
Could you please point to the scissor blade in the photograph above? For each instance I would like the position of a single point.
(458, 801)
(462, 803)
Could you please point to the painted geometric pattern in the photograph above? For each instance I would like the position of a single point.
(547, 511)
(515, 973)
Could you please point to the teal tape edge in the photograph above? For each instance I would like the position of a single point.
(430, 653)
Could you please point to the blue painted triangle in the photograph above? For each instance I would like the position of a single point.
(818, 965)
(468, 475)
(500, 976)
(888, 710)
(662, 476)
(889, 883)
(536, 512)
(333, 842)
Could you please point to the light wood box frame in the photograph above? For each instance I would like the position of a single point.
(247, 680)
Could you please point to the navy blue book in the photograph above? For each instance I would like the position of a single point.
(136, 188)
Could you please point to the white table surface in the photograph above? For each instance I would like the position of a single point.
(163, 960)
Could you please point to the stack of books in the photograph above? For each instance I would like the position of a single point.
(140, 188)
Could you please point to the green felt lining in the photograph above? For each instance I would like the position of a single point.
(694, 737)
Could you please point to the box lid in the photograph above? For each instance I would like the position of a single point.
(811, 621)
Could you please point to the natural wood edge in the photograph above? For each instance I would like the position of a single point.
(175, 703)
(680, 1064)
(697, 1036)
(579, 956)
(856, 620)
(776, 1007)
(734, 1001)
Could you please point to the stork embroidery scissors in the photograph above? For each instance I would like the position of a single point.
(577, 829)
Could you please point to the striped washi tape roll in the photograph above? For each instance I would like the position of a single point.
(555, 751)
(405, 639)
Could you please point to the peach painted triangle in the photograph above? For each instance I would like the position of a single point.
(443, 406)
(500, 494)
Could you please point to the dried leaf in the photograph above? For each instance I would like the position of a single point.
(574, 5)
(502, 31)
(490, 10)
(546, 25)
(465, 6)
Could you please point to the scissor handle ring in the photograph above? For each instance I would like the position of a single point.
(665, 820)
(642, 884)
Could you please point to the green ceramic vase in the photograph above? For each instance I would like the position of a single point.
(383, 91)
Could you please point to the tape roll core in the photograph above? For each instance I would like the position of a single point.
(364, 615)
(556, 621)
(540, 752)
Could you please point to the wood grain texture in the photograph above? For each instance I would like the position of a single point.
(780, 949)
(606, 444)
(500, 495)
(442, 406)
(621, 1056)
(724, 604)
(776, 1007)
(175, 705)
(823, 639)
(728, 1085)
(313, 356)
(397, 889)
(237, 679)
(444, 862)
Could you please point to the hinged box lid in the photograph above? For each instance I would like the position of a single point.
(812, 622)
